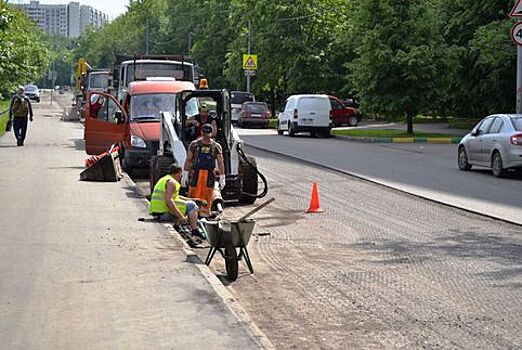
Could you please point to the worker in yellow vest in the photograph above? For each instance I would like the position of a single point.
(167, 205)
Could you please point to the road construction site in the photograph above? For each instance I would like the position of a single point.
(379, 268)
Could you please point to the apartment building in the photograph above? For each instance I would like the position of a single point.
(68, 20)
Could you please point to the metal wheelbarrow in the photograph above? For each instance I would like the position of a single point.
(225, 236)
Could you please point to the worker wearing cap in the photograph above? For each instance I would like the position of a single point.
(201, 161)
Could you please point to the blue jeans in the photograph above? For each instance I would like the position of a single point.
(20, 128)
(168, 217)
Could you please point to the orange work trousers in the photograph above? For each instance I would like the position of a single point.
(202, 191)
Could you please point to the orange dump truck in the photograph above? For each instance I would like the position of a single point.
(134, 124)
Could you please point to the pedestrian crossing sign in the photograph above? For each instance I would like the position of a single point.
(249, 61)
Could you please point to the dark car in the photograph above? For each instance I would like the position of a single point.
(32, 92)
(254, 114)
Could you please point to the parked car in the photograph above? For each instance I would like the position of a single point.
(342, 114)
(32, 92)
(254, 114)
(495, 142)
(305, 113)
(237, 98)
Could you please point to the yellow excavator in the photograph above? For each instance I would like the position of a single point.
(81, 73)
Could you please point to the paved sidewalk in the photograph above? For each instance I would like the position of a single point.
(79, 271)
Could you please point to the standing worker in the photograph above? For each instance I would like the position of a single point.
(19, 111)
(201, 160)
(167, 205)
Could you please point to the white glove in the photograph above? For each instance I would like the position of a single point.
(184, 178)
(222, 182)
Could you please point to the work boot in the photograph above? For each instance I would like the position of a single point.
(198, 233)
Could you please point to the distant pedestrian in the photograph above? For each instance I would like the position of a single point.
(20, 111)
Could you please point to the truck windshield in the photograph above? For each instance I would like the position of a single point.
(149, 106)
(99, 81)
(163, 69)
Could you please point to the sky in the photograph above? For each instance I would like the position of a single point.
(113, 8)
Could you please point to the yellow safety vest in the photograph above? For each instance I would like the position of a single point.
(158, 204)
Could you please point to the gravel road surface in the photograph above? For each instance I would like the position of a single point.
(378, 269)
(424, 169)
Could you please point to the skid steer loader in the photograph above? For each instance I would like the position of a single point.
(240, 170)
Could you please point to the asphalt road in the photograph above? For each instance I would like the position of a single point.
(378, 269)
(427, 170)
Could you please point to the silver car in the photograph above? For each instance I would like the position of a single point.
(495, 142)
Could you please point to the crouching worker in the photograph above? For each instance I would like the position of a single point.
(167, 205)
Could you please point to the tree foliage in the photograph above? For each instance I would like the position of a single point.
(24, 56)
(399, 57)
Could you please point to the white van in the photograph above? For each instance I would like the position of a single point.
(305, 113)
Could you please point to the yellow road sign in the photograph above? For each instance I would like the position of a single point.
(249, 61)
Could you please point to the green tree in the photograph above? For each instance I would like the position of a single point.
(23, 55)
(399, 60)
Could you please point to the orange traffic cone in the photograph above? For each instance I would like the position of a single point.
(314, 201)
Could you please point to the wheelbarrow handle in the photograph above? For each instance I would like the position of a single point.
(255, 210)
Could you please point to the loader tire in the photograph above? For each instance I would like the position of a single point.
(163, 164)
(248, 180)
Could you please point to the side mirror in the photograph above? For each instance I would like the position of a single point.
(118, 116)
(475, 132)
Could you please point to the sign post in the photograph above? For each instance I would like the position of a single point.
(516, 37)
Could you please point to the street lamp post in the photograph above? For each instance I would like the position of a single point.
(248, 76)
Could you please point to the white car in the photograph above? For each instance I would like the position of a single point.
(306, 113)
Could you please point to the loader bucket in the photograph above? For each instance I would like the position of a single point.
(106, 169)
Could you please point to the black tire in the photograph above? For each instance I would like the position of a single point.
(248, 180)
(291, 131)
(163, 164)
(462, 160)
(126, 166)
(153, 178)
(326, 134)
(497, 165)
(279, 131)
(231, 262)
(313, 134)
(353, 120)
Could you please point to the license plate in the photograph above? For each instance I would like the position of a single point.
(308, 121)
(256, 115)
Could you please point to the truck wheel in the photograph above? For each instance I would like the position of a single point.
(231, 262)
(153, 178)
(279, 131)
(248, 180)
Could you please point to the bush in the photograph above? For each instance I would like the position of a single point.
(4, 115)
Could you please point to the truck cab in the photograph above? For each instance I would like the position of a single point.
(134, 123)
(142, 67)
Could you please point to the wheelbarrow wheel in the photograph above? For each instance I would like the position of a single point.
(231, 262)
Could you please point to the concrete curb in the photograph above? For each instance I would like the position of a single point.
(228, 299)
(432, 140)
